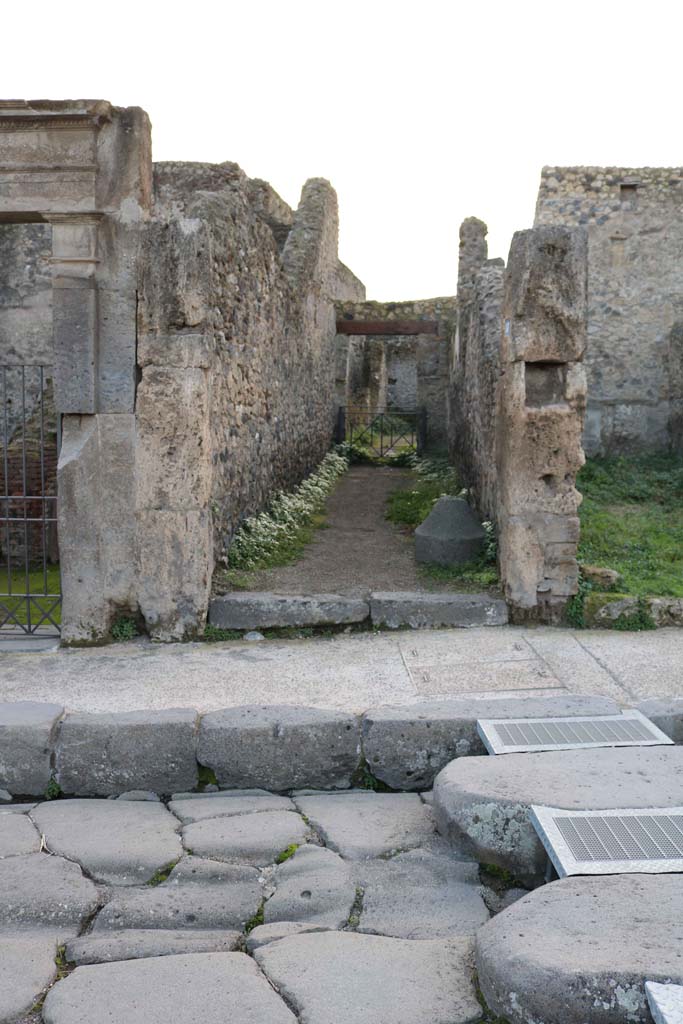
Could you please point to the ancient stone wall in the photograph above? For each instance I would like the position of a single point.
(376, 373)
(517, 400)
(634, 219)
(236, 349)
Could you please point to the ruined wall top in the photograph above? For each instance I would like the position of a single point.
(590, 195)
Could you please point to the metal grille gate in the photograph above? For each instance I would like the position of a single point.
(391, 433)
(30, 591)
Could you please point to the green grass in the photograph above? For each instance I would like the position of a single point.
(632, 521)
(36, 585)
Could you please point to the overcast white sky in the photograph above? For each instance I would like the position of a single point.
(420, 113)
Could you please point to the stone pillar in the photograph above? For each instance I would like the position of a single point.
(541, 405)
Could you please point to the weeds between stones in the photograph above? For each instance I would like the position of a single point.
(162, 874)
(288, 852)
(257, 919)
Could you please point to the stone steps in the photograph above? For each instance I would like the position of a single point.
(390, 610)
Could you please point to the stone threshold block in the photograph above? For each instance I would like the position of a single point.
(105, 754)
(407, 746)
(581, 949)
(482, 803)
(267, 611)
(27, 736)
(280, 747)
(420, 611)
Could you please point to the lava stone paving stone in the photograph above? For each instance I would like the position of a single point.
(246, 838)
(314, 886)
(364, 824)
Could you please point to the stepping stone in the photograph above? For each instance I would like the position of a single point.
(18, 835)
(115, 841)
(482, 803)
(105, 947)
(204, 988)
(225, 804)
(365, 824)
(581, 949)
(27, 967)
(419, 895)
(406, 746)
(346, 978)
(314, 886)
(246, 838)
(198, 894)
(37, 890)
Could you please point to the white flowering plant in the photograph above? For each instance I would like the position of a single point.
(263, 539)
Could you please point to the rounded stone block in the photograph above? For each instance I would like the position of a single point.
(408, 745)
(482, 803)
(581, 949)
(450, 535)
(101, 755)
(280, 747)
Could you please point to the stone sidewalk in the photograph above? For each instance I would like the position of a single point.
(353, 672)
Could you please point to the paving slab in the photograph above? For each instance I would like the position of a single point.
(134, 944)
(246, 838)
(581, 949)
(98, 755)
(314, 886)
(202, 988)
(645, 664)
(115, 841)
(27, 735)
(482, 803)
(420, 611)
(226, 804)
(420, 895)
(37, 890)
(280, 747)
(27, 967)
(335, 977)
(198, 894)
(265, 933)
(406, 746)
(18, 835)
(261, 610)
(363, 824)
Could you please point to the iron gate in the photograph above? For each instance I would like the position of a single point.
(30, 591)
(390, 433)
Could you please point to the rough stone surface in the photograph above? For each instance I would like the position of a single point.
(450, 535)
(18, 835)
(265, 933)
(27, 967)
(206, 987)
(5, 796)
(482, 803)
(406, 746)
(134, 944)
(115, 841)
(314, 886)
(423, 610)
(632, 216)
(98, 755)
(582, 949)
(265, 611)
(365, 979)
(365, 824)
(667, 714)
(198, 894)
(246, 838)
(41, 891)
(279, 747)
(227, 803)
(420, 895)
(27, 732)
(601, 578)
(139, 795)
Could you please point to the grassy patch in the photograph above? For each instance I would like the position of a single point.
(206, 776)
(16, 582)
(288, 852)
(162, 874)
(256, 919)
(53, 790)
(632, 521)
(124, 628)
(468, 576)
(214, 634)
(411, 506)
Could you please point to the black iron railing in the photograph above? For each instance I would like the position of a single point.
(389, 433)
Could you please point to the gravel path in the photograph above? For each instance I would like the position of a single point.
(359, 550)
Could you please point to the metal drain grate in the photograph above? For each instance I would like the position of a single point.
(666, 1002)
(524, 735)
(648, 840)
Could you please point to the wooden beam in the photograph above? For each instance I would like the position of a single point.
(387, 326)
